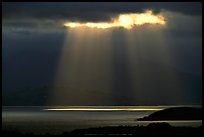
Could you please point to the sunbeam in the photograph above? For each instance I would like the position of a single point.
(148, 61)
(84, 71)
(91, 66)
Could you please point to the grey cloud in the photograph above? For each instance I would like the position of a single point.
(99, 11)
(32, 15)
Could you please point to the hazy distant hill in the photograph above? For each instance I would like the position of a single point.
(177, 113)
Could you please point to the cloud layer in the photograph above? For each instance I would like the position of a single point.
(52, 14)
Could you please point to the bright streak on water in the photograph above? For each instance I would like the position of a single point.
(102, 109)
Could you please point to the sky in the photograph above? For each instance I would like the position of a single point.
(133, 61)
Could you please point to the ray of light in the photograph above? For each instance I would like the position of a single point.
(85, 72)
(149, 54)
(83, 75)
(127, 21)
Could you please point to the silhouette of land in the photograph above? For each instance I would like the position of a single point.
(153, 129)
(176, 113)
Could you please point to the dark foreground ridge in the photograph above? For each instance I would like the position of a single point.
(153, 129)
(177, 113)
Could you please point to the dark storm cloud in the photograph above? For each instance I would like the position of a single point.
(30, 16)
(90, 11)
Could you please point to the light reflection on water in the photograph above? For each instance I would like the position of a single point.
(41, 120)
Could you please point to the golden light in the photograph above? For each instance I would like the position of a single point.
(127, 21)
(102, 109)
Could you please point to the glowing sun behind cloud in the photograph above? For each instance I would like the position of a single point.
(127, 21)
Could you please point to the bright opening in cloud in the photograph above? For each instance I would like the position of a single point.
(127, 21)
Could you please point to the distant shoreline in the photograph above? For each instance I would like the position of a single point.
(175, 113)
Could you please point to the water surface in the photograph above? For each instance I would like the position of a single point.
(62, 118)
